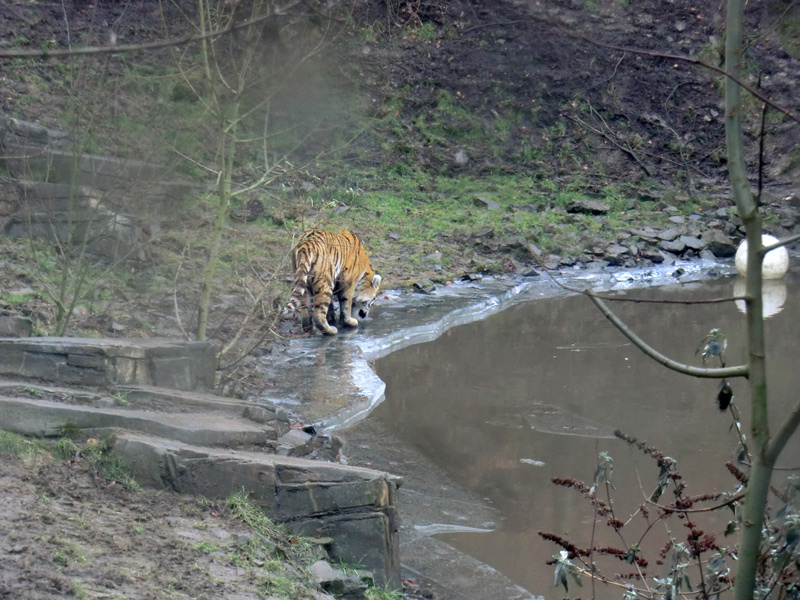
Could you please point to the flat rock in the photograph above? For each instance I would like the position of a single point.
(692, 242)
(484, 202)
(669, 234)
(617, 250)
(676, 246)
(719, 243)
(586, 206)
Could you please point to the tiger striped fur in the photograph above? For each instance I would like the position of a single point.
(332, 265)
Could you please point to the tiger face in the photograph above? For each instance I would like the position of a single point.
(366, 294)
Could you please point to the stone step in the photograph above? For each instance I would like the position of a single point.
(354, 506)
(156, 398)
(45, 418)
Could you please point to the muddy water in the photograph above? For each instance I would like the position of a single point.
(499, 407)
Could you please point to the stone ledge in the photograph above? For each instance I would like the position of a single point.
(104, 362)
(354, 506)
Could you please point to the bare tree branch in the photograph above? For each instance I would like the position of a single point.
(787, 428)
(178, 41)
(693, 61)
(714, 373)
(653, 53)
(779, 243)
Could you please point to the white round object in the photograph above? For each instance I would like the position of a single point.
(775, 264)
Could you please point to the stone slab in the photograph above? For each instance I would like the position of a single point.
(363, 521)
(43, 418)
(185, 399)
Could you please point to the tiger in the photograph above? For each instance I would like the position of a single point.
(329, 265)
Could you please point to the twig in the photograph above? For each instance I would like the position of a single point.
(178, 41)
(652, 53)
(784, 242)
(28, 20)
(671, 509)
(175, 294)
(612, 138)
(712, 373)
(690, 60)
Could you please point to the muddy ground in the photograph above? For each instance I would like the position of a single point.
(68, 532)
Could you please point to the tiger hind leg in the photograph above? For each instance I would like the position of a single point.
(319, 313)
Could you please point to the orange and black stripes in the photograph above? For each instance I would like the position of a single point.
(329, 265)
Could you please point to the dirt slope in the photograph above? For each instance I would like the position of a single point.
(573, 103)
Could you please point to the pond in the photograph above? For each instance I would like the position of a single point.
(480, 420)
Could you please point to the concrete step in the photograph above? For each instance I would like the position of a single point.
(45, 418)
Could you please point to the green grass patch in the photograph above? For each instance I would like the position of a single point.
(29, 450)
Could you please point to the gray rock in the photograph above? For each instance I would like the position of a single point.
(161, 362)
(424, 286)
(616, 250)
(676, 246)
(589, 207)
(669, 234)
(295, 442)
(692, 242)
(259, 414)
(337, 582)
(653, 256)
(648, 234)
(551, 264)
(485, 202)
(460, 158)
(15, 326)
(707, 254)
(677, 219)
(434, 257)
(669, 258)
(720, 244)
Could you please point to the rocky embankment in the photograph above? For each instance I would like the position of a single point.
(623, 241)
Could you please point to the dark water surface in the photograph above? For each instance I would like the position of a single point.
(500, 407)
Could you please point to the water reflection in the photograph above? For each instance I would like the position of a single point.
(504, 405)
(773, 293)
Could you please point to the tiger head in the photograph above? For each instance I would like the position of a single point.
(366, 293)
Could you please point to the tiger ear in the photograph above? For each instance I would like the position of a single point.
(376, 281)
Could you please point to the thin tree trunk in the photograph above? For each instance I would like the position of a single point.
(761, 471)
(227, 153)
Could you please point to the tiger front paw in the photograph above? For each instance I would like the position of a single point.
(350, 322)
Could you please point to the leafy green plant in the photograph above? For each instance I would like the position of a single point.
(120, 398)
